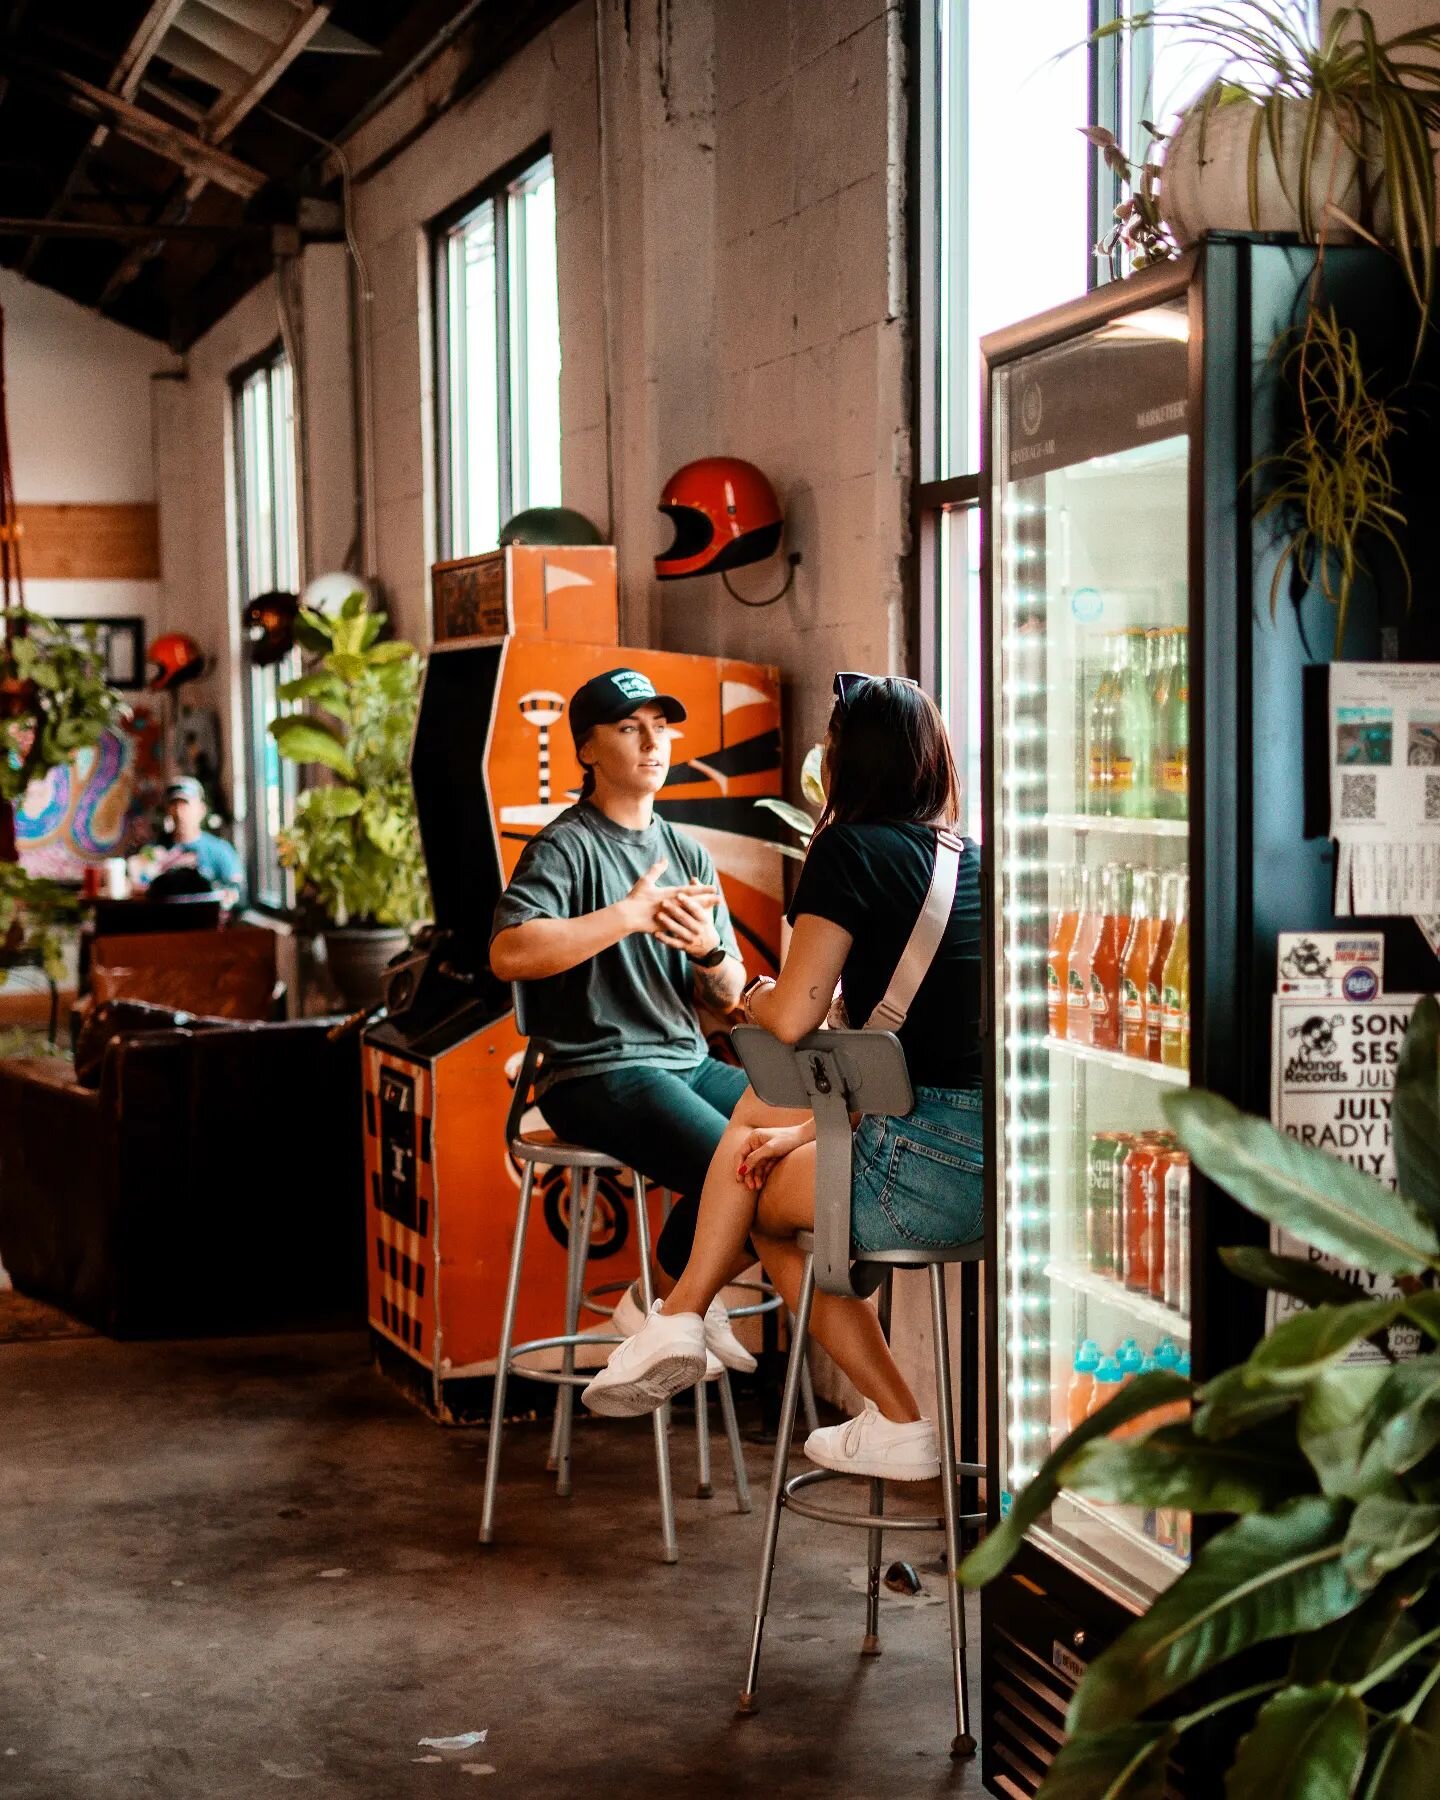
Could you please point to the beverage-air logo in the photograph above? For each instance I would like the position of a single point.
(1316, 1057)
(1032, 408)
(633, 685)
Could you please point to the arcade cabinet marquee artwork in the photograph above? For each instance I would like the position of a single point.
(516, 633)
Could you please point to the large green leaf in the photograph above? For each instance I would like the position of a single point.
(1141, 1396)
(1305, 1744)
(318, 685)
(1237, 1400)
(1353, 1647)
(1309, 1281)
(1334, 1422)
(1404, 1422)
(794, 816)
(1404, 1764)
(1172, 1467)
(1304, 1345)
(395, 650)
(303, 739)
(1125, 1764)
(1321, 1200)
(332, 802)
(1415, 1110)
(1386, 1530)
(1269, 1576)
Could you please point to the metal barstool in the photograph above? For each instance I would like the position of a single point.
(837, 1074)
(543, 1149)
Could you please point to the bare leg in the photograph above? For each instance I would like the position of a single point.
(727, 1211)
(848, 1329)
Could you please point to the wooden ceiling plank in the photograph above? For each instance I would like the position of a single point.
(227, 116)
(223, 120)
(125, 81)
(132, 65)
(183, 148)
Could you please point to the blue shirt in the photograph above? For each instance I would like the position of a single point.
(217, 861)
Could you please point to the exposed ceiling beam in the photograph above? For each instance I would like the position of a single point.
(201, 160)
(127, 232)
(223, 119)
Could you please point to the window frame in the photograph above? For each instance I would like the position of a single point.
(496, 190)
(937, 490)
(262, 897)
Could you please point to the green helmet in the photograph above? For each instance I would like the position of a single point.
(553, 525)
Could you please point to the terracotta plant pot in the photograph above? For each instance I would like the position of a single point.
(1210, 191)
(358, 955)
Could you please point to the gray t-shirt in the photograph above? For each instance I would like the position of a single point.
(633, 1002)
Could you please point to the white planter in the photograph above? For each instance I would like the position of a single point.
(1211, 192)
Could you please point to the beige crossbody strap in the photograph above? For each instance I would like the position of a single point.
(919, 952)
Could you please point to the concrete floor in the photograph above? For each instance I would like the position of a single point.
(249, 1568)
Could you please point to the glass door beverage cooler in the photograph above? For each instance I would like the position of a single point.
(1146, 838)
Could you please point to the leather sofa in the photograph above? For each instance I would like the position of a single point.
(212, 1183)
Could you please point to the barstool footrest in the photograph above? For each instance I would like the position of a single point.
(830, 1515)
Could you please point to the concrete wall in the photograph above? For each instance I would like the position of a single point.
(79, 405)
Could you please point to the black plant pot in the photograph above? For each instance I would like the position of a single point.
(358, 955)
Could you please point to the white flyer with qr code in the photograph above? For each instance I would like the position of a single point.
(1385, 787)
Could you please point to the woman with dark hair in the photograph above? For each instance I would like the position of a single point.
(890, 783)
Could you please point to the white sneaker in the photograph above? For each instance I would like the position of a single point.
(721, 1341)
(874, 1445)
(664, 1356)
(629, 1316)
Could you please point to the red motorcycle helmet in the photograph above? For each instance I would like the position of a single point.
(725, 515)
(174, 659)
(269, 622)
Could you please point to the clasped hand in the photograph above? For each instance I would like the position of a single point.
(680, 917)
(763, 1148)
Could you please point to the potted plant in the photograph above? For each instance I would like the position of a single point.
(1328, 139)
(354, 843)
(1329, 1469)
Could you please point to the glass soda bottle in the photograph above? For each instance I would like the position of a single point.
(1175, 989)
(1154, 979)
(1077, 1012)
(1135, 964)
(1133, 762)
(1101, 732)
(1061, 947)
(1105, 961)
(1173, 752)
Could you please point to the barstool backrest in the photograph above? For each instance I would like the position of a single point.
(835, 1074)
(521, 1098)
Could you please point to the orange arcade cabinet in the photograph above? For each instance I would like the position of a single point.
(516, 633)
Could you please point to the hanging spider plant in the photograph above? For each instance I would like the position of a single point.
(1376, 98)
(1331, 487)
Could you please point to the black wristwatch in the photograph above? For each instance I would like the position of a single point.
(712, 959)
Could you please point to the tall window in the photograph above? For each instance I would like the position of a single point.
(1010, 203)
(498, 353)
(269, 558)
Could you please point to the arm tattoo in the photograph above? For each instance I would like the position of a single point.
(719, 988)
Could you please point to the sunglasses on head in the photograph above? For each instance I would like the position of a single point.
(848, 681)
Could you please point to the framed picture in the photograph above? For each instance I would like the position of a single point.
(122, 644)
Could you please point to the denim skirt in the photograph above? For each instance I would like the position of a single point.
(919, 1181)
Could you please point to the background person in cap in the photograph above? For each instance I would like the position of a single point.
(615, 922)
(194, 847)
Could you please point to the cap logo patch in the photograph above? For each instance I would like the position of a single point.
(633, 685)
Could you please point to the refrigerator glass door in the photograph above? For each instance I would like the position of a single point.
(1090, 809)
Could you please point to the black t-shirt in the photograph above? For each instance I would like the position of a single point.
(872, 880)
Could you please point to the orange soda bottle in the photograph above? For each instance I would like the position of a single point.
(1062, 944)
(1135, 964)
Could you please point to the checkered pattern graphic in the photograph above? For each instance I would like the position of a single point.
(401, 1277)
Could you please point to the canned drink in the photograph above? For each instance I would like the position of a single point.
(1177, 1235)
(1104, 1164)
(1136, 1228)
(1167, 1527)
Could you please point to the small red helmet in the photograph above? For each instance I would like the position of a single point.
(174, 659)
(725, 515)
(269, 622)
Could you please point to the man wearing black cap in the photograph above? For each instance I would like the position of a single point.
(613, 961)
